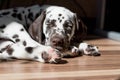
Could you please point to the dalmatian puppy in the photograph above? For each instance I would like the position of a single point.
(49, 25)
(18, 44)
(57, 27)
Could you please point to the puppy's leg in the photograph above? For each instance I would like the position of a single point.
(4, 52)
(88, 49)
(74, 52)
(83, 49)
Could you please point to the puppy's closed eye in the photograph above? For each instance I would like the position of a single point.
(68, 23)
(50, 22)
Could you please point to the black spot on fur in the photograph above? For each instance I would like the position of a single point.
(15, 10)
(37, 15)
(14, 15)
(60, 21)
(30, 16)
(29, 10)
(15, 36)
(10, 51)
(5, 13)
(24, 43)
(3, 49)
(22, 29)
(19, 16)
(36, 57)
(2, 31)
(29, 49)
(2, 26)
(60, 14)
(17, 40)
(23, 12)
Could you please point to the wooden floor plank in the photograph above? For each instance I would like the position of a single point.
(104, 67)
(39, 75)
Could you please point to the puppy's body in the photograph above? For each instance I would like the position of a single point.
(53, 26)
(21, 46)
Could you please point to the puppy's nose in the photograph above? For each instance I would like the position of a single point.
(57, 41)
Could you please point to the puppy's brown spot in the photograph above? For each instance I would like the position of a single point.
(10, 51)
(62, 17)
(24, 43)
(2, 31)
(3, 49)
(17, 40)
(36, 57)
(29, 49)
(15, 36)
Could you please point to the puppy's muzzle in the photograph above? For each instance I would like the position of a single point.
(58, 42)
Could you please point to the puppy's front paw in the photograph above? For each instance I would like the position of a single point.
(89, 50)
(75, 52)
(46, 54)
(52, 55)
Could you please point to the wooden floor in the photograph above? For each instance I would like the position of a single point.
(105, 67)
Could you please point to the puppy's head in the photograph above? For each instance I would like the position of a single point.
(59, 27)
(55, 27)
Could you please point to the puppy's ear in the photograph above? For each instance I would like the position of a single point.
(80, 28)
(75, 26)
(36, 28)
(76, 21)
(83, 29)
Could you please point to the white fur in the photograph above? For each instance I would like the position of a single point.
(14, 25)
(14, 28)
(84, 46)
(19, 49)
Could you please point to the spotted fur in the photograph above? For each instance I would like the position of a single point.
(24, 47)
(53, 26)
